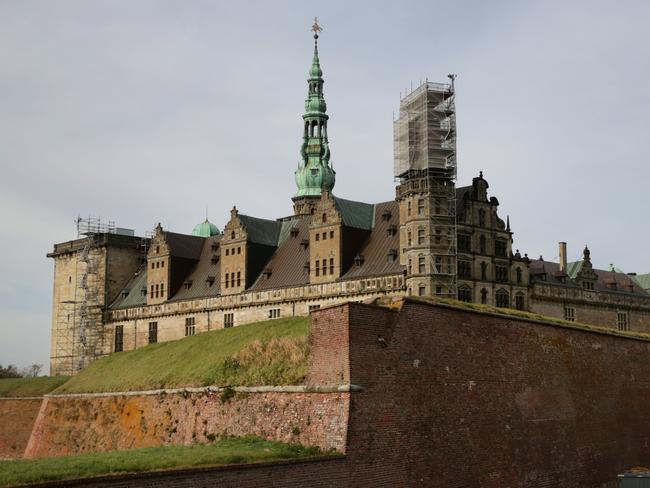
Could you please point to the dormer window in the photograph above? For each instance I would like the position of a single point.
(188, 284)
(392, 255)
(210, 280)
(358, 260)
(125, 292)
(306, 266)
(386, 215)
(215, 259)
(294, 232)
(305, 243)
(267, 273)
(215, 246)
(392, 230)
(143, 291)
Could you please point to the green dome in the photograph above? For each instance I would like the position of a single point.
(313, 179)
(205, 229)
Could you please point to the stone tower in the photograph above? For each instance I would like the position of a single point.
(314, 174)
(425, 165)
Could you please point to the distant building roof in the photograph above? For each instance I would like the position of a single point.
(356, 214)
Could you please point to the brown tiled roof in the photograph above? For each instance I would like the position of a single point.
(287, 266)
(200, 277)
(375, 251)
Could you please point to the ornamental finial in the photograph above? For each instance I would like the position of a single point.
(316, 28)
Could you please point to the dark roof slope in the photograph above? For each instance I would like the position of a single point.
(287, 265)
(262, 231)
(376, 250)
(183, 245)
(204, 280)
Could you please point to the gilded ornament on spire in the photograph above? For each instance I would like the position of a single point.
(316, 28)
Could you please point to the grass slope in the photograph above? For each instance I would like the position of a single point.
(227, 451)
(30, 387)
(273, 352)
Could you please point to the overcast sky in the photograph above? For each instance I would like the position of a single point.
(146, 111)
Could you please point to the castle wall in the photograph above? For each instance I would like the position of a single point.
(591, 307)
(17, 417)
(90, 423)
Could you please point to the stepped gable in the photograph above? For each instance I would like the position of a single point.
(204, 280)
(375, 257)
(287, 265)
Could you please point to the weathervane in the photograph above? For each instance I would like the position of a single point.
(316, 28)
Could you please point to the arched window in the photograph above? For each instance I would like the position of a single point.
(518, 275)
(232, 234)
(324, 218)
(503, 298)
(481, 245)
(484, 294)
(484, 270)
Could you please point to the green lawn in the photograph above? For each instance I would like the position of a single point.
(30, 387)
(227, 451)
(272, 352)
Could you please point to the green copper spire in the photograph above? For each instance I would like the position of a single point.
(314, 174)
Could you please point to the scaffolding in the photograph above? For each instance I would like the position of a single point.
(425, 165)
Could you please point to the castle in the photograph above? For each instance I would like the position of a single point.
(115, 291)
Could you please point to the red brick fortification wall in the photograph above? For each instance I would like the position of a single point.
(459, 398)
(17, 417)
(76, 424)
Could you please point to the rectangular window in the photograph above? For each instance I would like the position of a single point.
(622, 321)
(420, 236)
(318, 236)
(274, 313)
(438, 290)
(438, 264)
(324, 235)
(500, 248)
(570, 314)
(151, 294)
(190, 328)
(153, 265)
(464, 269)
(227, 252)
(501, 273)
(238, 278)
(228, 319)
(324, 267)
(408, 211)
(421, 206)
(227, 279)
(313, 307)
(465, 294)
(438, 238)
(162, 264)
(153, 332)
(119, 338)
(421, 265)
(421, 290)
(317, 268)
(331, 234)
(331, 266)
(162, 290)
(239, 250)
(464, 243)
(157, 290)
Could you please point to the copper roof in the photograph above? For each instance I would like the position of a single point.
(204, 280)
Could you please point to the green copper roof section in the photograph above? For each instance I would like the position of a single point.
(315, 174)
(205, 229)
(356, 214)
(572, 269)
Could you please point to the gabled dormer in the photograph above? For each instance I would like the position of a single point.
(170, 259)
(246, 247)
(586, 276)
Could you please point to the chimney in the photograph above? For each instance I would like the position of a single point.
(563, 257)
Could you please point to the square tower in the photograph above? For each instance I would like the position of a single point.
(425, 167)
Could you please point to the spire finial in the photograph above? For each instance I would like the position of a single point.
(316, 28)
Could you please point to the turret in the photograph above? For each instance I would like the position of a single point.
(314, 174)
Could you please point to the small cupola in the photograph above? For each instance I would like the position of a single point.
(205, 229)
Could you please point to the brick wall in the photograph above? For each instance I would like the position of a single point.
(76, 424)
(456, 398)
(16, 421)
